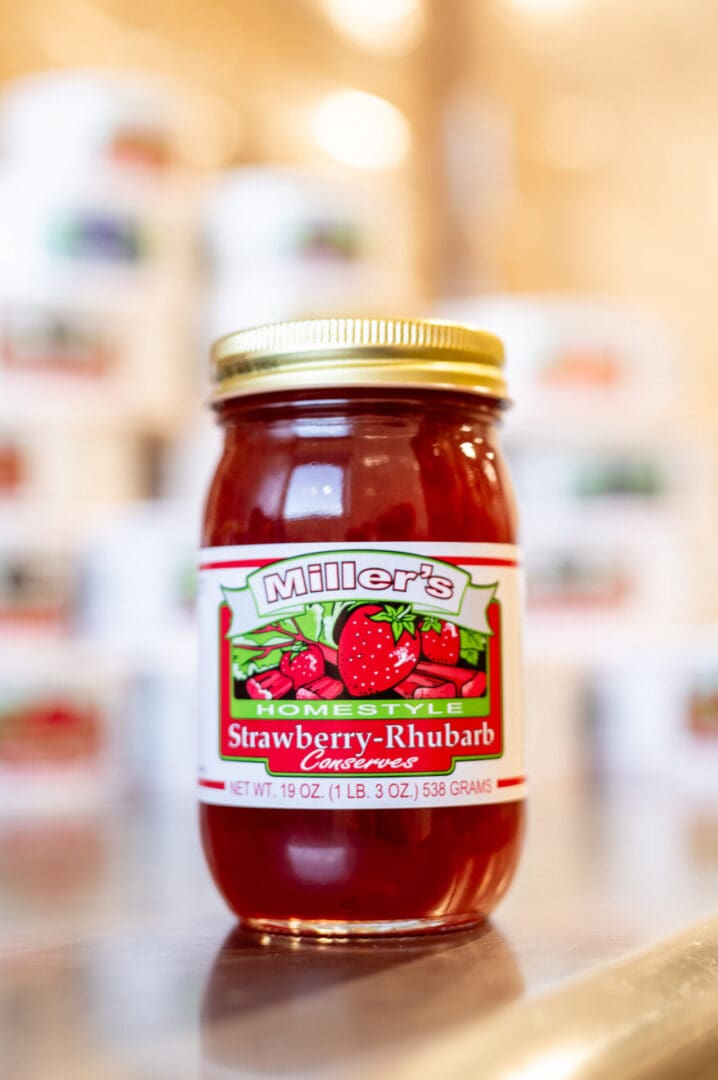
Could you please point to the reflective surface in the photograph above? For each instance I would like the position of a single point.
(334, 1002)
(118, 960)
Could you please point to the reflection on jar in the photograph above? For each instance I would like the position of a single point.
(315, 490)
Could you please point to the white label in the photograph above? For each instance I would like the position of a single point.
(360, 675)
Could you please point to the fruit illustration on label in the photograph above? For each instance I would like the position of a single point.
(440, 641)
(356, 648)
(302, 664)
(378, 648)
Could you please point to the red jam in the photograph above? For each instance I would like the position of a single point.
(381, 464)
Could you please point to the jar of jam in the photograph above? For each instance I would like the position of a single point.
(361, 757)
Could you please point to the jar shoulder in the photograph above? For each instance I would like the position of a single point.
(361, 478)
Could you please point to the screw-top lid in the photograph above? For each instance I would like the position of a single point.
(311, 353)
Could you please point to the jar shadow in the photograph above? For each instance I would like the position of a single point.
(277, 1006)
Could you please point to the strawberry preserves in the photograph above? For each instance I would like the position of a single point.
(361, 765)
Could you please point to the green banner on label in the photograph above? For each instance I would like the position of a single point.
(359, 710)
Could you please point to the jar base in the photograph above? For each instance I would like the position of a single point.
(338, 930)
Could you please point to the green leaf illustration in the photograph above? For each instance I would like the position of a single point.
(259, 650)
(331, 610)
(309, 623)
(262, 649)
(246, 663)
(471, 645)
(401, 619)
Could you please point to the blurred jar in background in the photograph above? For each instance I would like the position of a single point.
(289, 244)
(52, 864)
(138, 593)
(615, 516)
(59, 734)
(98, 305)
(101, 216)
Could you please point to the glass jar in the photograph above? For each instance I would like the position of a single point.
(361, 767)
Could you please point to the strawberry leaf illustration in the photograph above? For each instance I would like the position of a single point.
(401, 619)
(297, 648)
(431, 622)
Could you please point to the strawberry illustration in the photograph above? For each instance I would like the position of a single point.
(302, 665)
(378, 647)
(439, 640)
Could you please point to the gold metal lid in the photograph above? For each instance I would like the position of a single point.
(311, 353)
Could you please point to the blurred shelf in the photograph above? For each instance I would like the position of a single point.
(33, 401)
(583, 421)
(595, 639)
(63, 651)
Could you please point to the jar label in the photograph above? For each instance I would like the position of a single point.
(342, 675)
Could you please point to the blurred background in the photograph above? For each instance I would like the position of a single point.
(169, 172)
